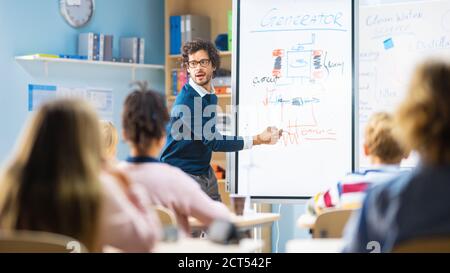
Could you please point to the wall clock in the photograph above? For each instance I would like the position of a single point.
(77, 13)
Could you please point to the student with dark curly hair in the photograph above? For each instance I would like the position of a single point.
(192, 134)
(413, 206)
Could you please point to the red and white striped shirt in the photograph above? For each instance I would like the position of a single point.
(349, 192)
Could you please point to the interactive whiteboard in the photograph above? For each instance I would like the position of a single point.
(294, 69)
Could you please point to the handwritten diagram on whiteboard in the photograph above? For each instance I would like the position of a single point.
(394, 38)
(295, 73)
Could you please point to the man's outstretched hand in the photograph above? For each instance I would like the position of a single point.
(270, 136)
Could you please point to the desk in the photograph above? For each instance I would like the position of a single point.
(249, 221)
(191, 245)
(245, 221)
(306, 221)
(315, 246)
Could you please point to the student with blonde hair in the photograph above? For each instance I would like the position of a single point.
(144, 119)
(110, 139)
(415, 205)
(56, 182)
(385, 153)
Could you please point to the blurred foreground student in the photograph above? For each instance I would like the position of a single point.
(110, 139)
(55, 183)
(417, 205)
(144, 119)
(385, 153)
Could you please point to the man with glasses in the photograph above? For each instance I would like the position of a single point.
(192, 134)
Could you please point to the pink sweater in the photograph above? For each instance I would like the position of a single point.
(126, 226)
(172, 188)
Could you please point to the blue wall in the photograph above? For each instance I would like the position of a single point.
(30, 26)
(286, 229)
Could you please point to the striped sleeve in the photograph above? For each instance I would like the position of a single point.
(344, 194)
(327, 199)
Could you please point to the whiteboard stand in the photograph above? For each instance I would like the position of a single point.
(248, 208)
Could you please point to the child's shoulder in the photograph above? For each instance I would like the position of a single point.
(169, 170)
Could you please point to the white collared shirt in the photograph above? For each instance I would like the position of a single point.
(200, 89)
(248, 141)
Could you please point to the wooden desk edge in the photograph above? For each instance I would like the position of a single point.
(266, 218)
(307, 223)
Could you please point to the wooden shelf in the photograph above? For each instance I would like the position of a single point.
(32, 61)
(86, 62)
(219, 25)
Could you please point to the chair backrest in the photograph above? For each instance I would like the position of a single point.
(166, 216)
(331, 224)
(424, 245)
(38, 242)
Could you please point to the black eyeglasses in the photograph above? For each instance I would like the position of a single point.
(203, 63)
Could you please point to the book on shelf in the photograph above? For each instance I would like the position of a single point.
(72, 57)
(197, 27)
(133, 48)
(129, 48)
(184, 28)
(230, 30)
(89, 45)
(95, 46)
(179, 79)
(175, 35)
(108, 50)
(174, 82)
(141, 50)
(222, 90)
(54, 56)
(42, 55)
(222, 82)
(101, 48)
(183, 31)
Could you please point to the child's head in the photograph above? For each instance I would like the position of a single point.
(110, 139)
(52, 183)
(380, 142)
(144, 120)
(424, 116)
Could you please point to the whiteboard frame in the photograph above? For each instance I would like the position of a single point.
(233, 158)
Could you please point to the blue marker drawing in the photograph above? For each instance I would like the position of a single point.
(299, 63)
(388, 44)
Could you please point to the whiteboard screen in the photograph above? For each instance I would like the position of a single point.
(394, 38)
(294, 70)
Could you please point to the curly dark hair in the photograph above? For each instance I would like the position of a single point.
(144, 117)
(197, 45)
